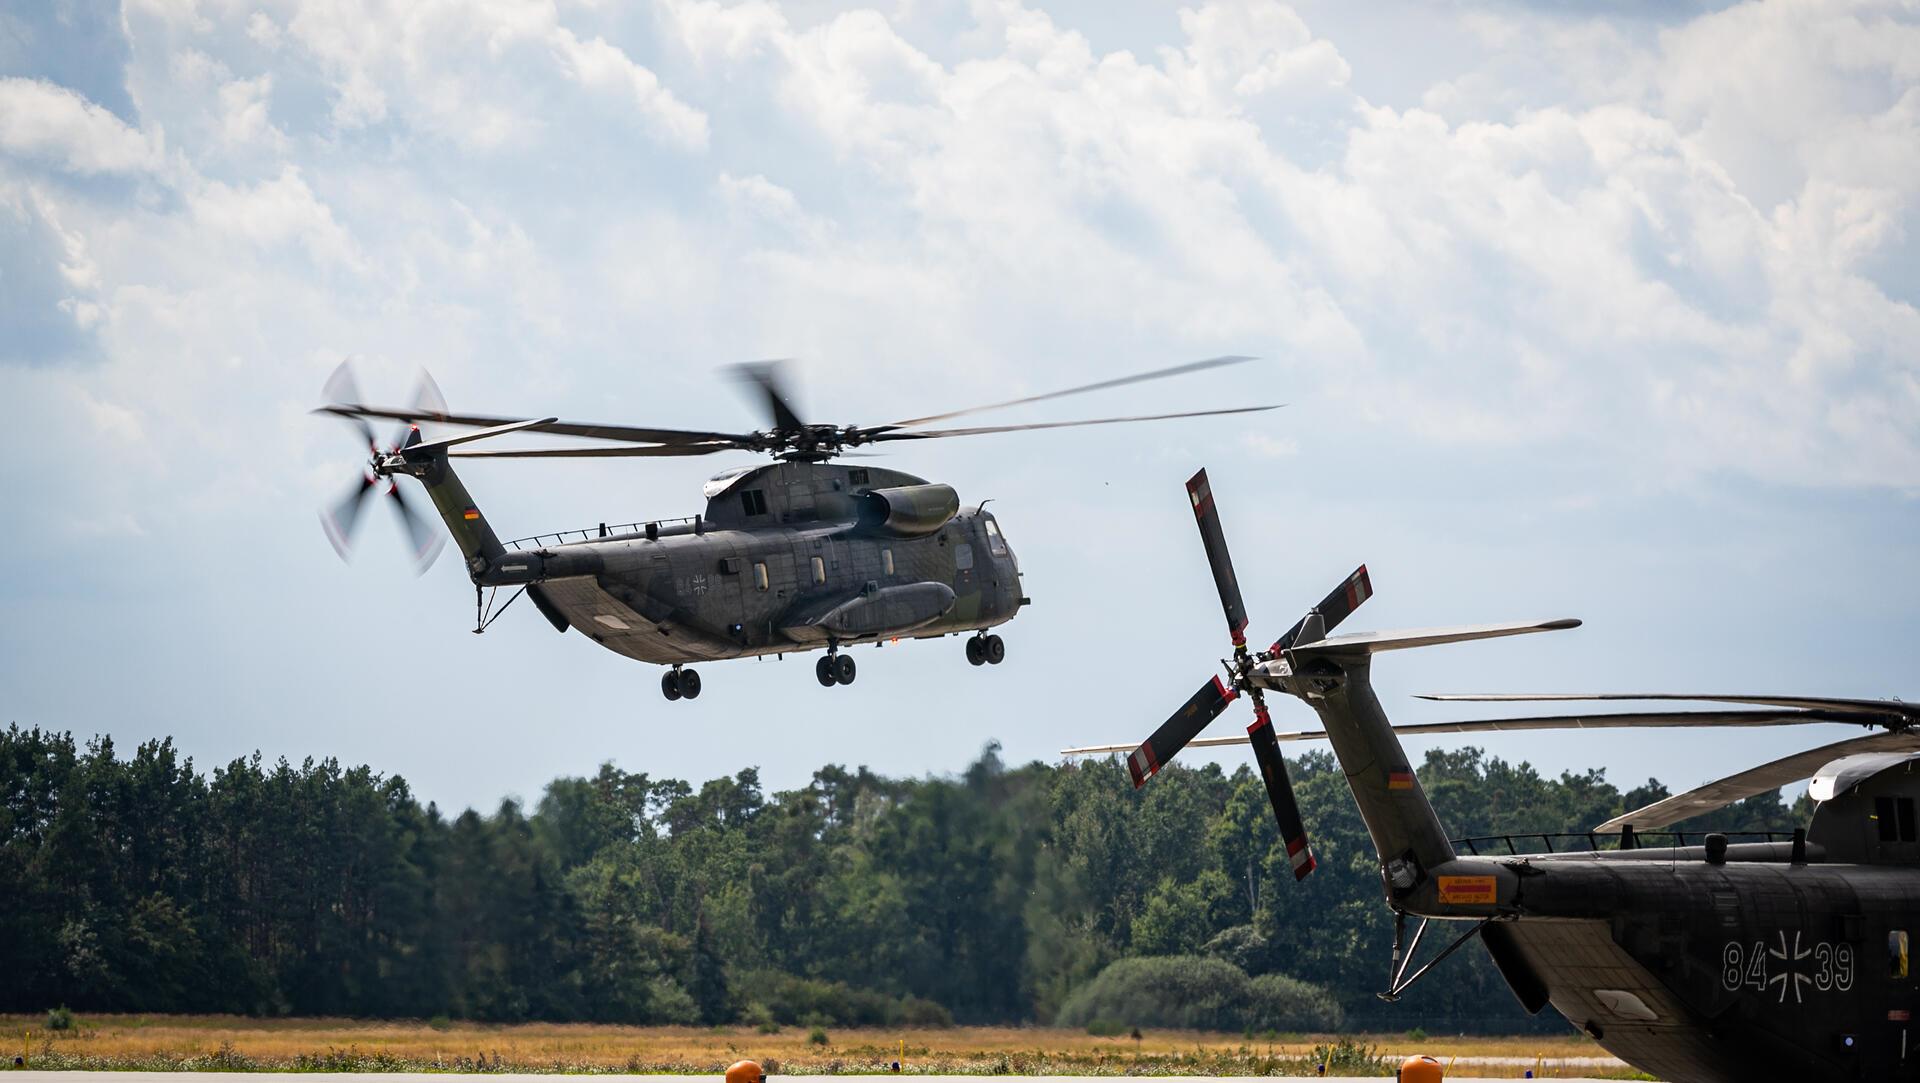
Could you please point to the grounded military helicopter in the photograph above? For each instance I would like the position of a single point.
(1780, 959)
(795, 555)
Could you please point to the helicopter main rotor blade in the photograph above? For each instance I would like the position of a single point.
(555, 428)
(1828, 703)
(1122, 381)
(660, 450)
(1756, 780)
(939, 434)
(768, 377)
(1625, 720)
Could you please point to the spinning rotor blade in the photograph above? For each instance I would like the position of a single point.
(768, 377)
(1333, 609)
(1631, 720)
(1768, 776)
(339, 520)
(555, 428)
(1156, 374)
(594, 452)
(1826, 703)
(1201, 708)
(1286, 810)
(939, 434)
(342, 387)
(1200, 495)
(426, 541)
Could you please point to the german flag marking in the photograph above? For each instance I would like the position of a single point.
(470, 514)
(1400, 780)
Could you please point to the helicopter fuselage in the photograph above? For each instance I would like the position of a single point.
(790, 556)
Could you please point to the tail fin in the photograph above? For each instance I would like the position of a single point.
(1333, 675)
(428, 461)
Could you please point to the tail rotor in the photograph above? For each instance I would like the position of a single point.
(342, 518)
(1212, 698)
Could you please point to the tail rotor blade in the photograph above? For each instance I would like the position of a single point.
(1201, 708)
(342, 388)
(1286, 811)
(1200, 493)
(339, 520)
(426, 541)
(1334, 608)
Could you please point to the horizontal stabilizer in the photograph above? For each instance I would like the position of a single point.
(1823, 703)
(1768, 776)
(1374, 642)
(1625, 720)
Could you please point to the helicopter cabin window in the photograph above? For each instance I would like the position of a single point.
(759, 575)
(1897, 953)
(819, 570)
(886, 561)
(963, 557)
(857, 476)
(753, 501)
(1893, 816)
(994, 541)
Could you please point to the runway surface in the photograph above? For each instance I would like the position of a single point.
(510, 1077)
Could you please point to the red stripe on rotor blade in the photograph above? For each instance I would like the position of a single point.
(1142, 765)
(1227, 695)
(1301, 857)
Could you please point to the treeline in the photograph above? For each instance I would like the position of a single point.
(141, 884)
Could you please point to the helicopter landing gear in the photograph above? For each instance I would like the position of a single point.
(834, 668)
(986, 650)
(678, 683)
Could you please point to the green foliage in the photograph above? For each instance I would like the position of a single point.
(817, 1036)
(139, 883)
(60, 1019)
(1197, 993)
(1106, 1028)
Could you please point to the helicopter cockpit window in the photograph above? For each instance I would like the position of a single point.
(994, 541)
(753, 501)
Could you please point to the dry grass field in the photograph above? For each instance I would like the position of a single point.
(215, 1042)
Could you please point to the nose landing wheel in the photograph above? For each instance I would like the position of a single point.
(678, 683)
(986, 650)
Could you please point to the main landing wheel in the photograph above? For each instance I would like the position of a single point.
(994, 649)
(680, 684)
(976, 654)
(843, 668)
(823, 671)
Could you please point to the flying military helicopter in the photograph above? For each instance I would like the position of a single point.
(1722, 962)
(800, 554)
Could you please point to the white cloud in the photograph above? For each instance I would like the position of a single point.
(40, 120)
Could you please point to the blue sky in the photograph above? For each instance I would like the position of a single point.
(1609, 316)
